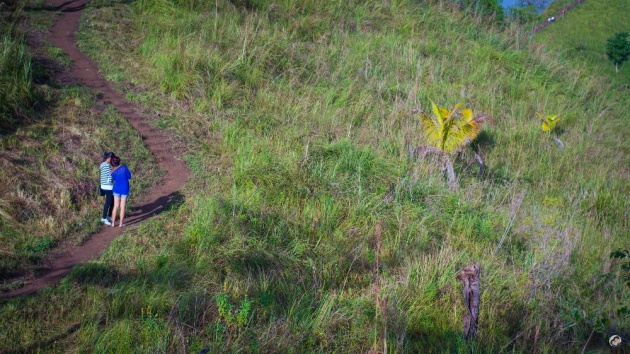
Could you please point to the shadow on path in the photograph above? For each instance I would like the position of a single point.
(148, 210)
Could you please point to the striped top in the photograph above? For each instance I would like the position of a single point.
(106, 177)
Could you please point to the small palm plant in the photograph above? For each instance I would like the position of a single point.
(448, 132)
(548, 124)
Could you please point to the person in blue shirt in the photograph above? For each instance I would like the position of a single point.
(121, 176)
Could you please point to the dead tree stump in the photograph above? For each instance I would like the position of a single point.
(470, 277)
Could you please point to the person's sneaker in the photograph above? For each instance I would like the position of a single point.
(109, 218)
(106, 222)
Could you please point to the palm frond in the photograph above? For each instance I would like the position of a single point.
(545, 126)
(453, 112)
(438, 113)
(467, 114)
(432, 129)
(451, 130)
(548, 123)
(482, 118)
(552, 120)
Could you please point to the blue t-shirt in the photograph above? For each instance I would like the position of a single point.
(121, 177)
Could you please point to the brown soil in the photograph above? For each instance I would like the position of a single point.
(84, 71)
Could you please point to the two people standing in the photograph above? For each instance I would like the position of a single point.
(115, 187)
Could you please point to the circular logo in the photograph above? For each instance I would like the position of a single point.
(614, 341)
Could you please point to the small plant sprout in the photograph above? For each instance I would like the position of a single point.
(448, 131)
(548, 124)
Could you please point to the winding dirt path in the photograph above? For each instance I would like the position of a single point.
(547, 23)
(84, 72)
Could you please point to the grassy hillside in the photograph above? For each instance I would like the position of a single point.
(584, 31)
(309, 227)
(15, 72)
(51, 142)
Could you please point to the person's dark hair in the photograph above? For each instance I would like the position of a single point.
(108, 155)
(115, 161)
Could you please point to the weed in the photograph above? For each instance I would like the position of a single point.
(233, 320)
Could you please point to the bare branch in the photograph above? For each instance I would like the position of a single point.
(480, 162)
(482, 118)
(558, 142)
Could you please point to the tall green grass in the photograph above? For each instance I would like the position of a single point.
(51, 142)
(297, 118)
(16, 91)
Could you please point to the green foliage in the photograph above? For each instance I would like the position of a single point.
(623, 258)
(233, 319)
(16, 92)
(548, 123)
(523, 14)
(451, 130)
(490, 8)
(618, 49)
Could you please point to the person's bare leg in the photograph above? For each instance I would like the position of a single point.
(123, 201)
(116, 202)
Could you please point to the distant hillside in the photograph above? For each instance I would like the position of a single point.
(584, 30)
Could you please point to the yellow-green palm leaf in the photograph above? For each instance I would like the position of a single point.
(549, 122)
(450, 130)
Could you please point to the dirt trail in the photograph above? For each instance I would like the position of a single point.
(547, 23)
(84, 72)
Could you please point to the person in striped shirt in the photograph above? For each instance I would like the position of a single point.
(107, 186)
